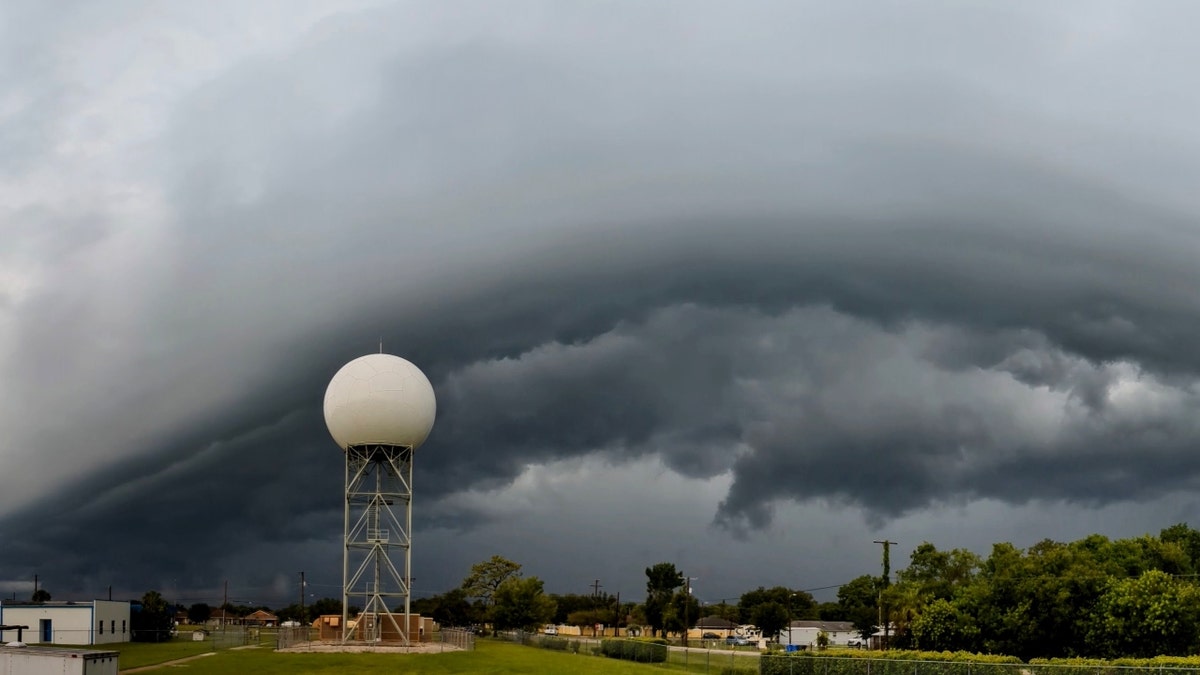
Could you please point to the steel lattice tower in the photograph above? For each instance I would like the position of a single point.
(378, 521)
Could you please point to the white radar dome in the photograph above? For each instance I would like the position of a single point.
(379, 399)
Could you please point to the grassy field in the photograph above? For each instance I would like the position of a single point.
(489, 658)
(134, 654)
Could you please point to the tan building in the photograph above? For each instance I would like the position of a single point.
(329, 627)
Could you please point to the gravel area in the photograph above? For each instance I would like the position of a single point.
(337, 647)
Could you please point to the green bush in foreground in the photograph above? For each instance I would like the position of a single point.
(890, 663)
(634, 650)
(1159, 665)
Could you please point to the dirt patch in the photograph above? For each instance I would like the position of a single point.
(339, 648)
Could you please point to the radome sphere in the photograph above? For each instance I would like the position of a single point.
(379, 399)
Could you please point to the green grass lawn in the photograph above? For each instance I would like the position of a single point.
(489, 658)
(134, 654)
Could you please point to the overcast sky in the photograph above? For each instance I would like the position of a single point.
(742, 287)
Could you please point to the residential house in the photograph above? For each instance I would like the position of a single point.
(712, 625)
(804, 634)
(261, 618)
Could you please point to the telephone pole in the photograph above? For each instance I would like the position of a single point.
(617, 617)
(885, 618)
(687, 603)
(596, 589)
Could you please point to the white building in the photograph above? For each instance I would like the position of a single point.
(67, 623)
(804, 634)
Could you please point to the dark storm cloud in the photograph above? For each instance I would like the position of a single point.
(844, 270)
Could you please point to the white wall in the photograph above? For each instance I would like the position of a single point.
(115, 616)
(799, 636)
(808, 636)
(76, 624)
(71, 624)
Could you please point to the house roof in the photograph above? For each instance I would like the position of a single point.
(261, 615)
(716, 622)
(827, 626)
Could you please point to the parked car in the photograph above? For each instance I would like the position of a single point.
(710, 636)
(551, 630)
(737, 640)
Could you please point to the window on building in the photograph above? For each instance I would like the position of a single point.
(102, 626)
(112, 627)
(122, 626)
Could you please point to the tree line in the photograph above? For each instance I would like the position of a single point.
(495, 593)
(1095, 597)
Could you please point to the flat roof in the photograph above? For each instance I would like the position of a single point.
(88, 654)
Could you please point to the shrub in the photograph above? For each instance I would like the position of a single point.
(892, 663)
(1159, 665)
(634, 650)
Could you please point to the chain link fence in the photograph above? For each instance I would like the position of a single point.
(307, 637)
(459, 638)
(688, 659)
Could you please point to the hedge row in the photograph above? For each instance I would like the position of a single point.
(634, 650)
(1159, 665)
(890, 663)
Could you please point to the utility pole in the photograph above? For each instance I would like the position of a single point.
(225, 606)
(687, 603)
(35, 584)
(617, 617)
(302, 616)
(596, 589)
(885, 618)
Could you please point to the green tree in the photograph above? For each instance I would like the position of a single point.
(1151, 615)
(831, 611)
(800, 604)
(904, 604)
(521, 603)
(942, 627)
(661, 581)
(939, 574)
(151, 620)
(586, 619)
(683, 613)
(325, 607)
(488, 576)
(451, 608)
(770, 618)
(859, 603)
(725, 611)
(41, 595)
(199, 613)
(570, 603)
(1188, 541)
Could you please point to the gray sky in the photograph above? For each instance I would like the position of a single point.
(738, 288)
